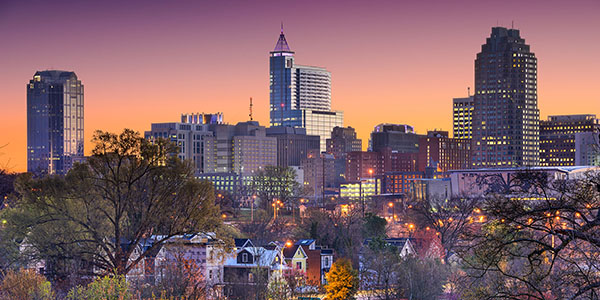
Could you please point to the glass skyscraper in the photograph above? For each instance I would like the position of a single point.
(54, 122)
(300, 96)
(505, 115)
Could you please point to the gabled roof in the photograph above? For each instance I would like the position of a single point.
(241, 243)
(290, 252)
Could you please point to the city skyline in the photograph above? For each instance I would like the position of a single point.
(196, 75)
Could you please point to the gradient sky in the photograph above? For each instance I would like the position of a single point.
(391, 61)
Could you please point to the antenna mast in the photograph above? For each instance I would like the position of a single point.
(250, 115)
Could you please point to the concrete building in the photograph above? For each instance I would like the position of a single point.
(505, 115)
(54, 122)
(342, 141)
(462, 117)
(558, 138)
(189, 137)
(300, 96)
(587, 149)
(293, 144)
(470, 182)
(242, 148)
(438, 150)
(319, 174)
(398, 137)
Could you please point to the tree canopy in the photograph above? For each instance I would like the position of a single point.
(114, 209)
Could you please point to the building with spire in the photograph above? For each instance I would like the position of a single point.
(505, 115)
(54, 122)
(300, 96)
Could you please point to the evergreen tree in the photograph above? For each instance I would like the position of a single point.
(342, 281)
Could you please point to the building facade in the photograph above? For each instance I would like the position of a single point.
(397, 137)
(558, 138)
(189, 137)
(54, 122)
(587, 149)
(319, 173)
(438, 150)
(505, 115)
(342, 141)
(300, 96)
(293, 144)
(462, 117)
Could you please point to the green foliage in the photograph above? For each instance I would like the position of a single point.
(374, 226)
(25, 285)
(342, 281)
(104, 288)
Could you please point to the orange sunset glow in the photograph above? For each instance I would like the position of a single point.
(391, 61)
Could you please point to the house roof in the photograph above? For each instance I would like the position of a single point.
(266, 258)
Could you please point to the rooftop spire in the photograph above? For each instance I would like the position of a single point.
(282, 45)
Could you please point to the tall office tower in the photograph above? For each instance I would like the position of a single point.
(558, 138)
(190, 137)
(300, 96)
(54, 122)
(462, 111)
(397, 137)
(506, 115)
(293, 144)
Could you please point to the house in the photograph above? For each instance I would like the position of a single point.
(249, 266)
(295, 258)
(318, 261)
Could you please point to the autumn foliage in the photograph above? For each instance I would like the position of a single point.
(342, 281)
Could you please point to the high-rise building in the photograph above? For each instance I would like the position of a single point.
(300, 96)
(558, 138)
(54, 122)
(293, 144)
(462, 112)
(397, 137)
(505, 114)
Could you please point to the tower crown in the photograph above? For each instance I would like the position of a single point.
(282, 48)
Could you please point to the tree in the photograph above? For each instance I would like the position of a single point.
(342, 281)
(374, 226)
(450, 219)
(421, 279)
(128, 193)
(541, 240)
(25, 285)
(379, 269)
(274, 182)
(104, 288)
(279, 289)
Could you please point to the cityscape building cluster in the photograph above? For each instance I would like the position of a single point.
(496, 127)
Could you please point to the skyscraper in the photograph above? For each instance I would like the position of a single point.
(300, 96)
(54, 122)
(505, 115)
